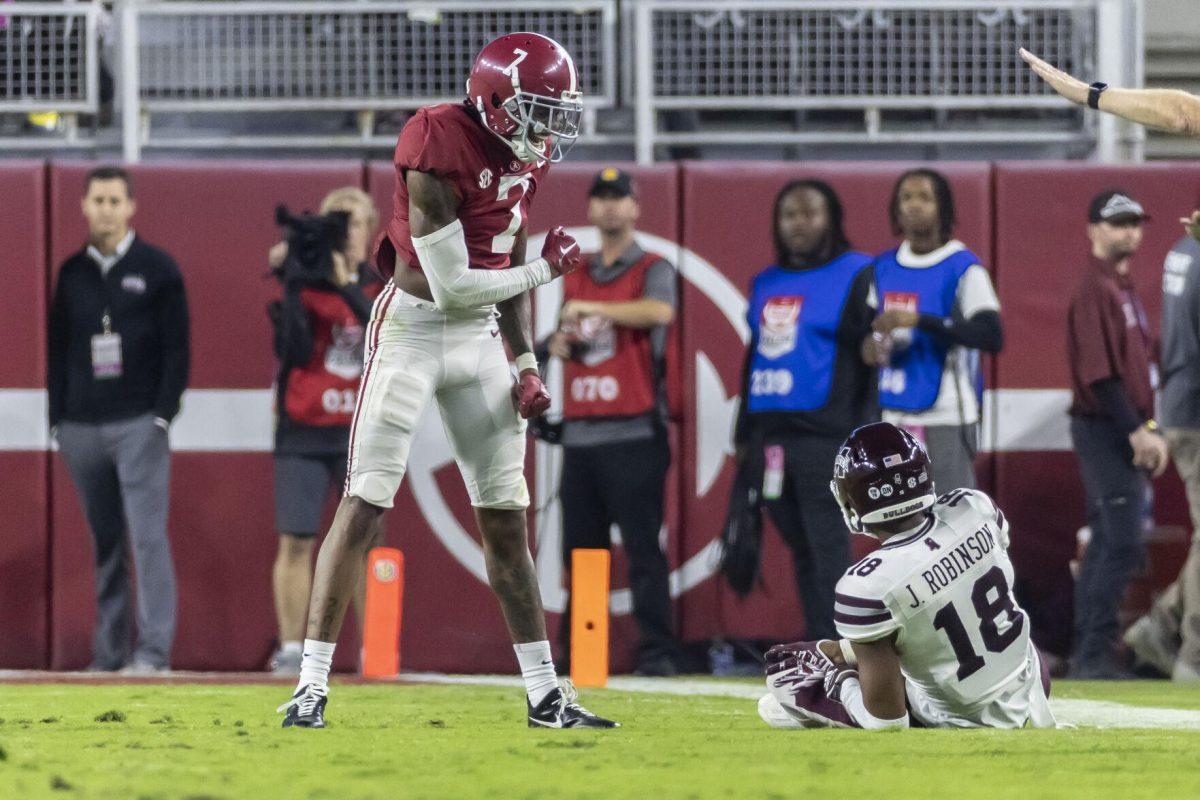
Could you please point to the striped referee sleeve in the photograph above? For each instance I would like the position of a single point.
(862, 619)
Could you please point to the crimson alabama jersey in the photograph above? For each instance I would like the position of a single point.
(495, 188)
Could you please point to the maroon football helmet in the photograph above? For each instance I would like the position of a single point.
(881, 474)
(525, 87)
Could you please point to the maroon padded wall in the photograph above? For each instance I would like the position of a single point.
(217, 220)
(1041, 254)
(24, 544)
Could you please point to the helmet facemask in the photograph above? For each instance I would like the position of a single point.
(546, 127)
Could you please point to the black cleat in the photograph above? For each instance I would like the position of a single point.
(306, 709)
(559, 710)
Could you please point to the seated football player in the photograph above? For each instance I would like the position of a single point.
(931, 633)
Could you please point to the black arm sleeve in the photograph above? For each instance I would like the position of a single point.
(1112, 395)
(352, 293)
(855, 324)
(741, 427)
(57, 339)
(981, 332)
(541, 351)
(173, 331)
(293, 335)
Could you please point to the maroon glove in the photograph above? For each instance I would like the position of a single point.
(562, 251)
(797, 665)
(530, 395)
(808, 652)
(835, 679)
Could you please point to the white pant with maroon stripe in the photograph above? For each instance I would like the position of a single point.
(416, 353)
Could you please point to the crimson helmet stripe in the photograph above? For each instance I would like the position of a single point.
(571, 70)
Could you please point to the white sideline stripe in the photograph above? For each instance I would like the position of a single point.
(23, 419)
(1083, 713)
(241, 420)
(1016, 420)
(220, 420)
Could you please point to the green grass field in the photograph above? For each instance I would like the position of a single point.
(416, 741)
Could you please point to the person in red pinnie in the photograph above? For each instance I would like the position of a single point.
(459, 287)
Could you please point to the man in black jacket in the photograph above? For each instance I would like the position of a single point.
(118, 365)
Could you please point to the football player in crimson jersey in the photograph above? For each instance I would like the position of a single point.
(931, 633)
(455, 255)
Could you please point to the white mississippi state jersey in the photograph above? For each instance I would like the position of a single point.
(945, 590)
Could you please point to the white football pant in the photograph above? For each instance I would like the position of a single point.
(416, 353)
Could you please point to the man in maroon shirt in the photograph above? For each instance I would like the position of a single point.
(1113, 377)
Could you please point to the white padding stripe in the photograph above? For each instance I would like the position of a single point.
(23, 424)
(241, 420)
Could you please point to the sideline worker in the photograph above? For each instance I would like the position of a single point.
(808, 381)
(320, 326)
(612, 340)
(1111, 355)
(938, 308)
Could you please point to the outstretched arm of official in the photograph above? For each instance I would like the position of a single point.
(441, 247)
(1166, 109)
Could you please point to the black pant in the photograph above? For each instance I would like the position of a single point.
(1115, 509)
(622, 484)
(812, 526)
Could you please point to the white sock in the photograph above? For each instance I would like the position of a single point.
(537, 668)
(292, 648)
(314, 668)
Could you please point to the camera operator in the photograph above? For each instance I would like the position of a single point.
(320, 325)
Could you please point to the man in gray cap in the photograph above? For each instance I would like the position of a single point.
(1168, 637)
(1113, 377)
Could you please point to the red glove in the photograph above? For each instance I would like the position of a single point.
(530, 395)
(562, 251)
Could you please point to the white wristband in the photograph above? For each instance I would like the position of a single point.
(526, 361)
(847, 651)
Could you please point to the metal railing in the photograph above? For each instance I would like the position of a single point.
(868, 55)
(891, 53)
(865, 60)
(349, 56)
(49, 57)
(49, 62)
